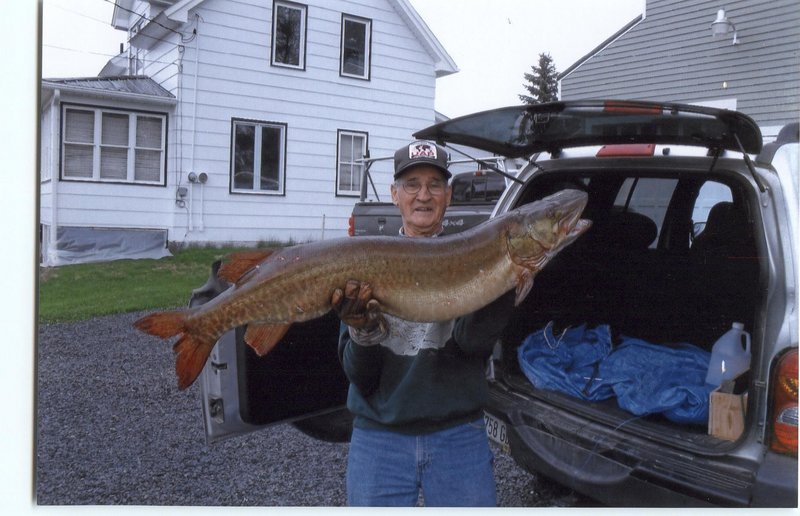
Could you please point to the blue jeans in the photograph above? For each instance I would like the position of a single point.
(452, 468)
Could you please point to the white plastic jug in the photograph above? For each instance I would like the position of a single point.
(730, 355)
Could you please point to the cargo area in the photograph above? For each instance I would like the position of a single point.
(670, 260)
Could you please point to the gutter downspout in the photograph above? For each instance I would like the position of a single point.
(55, 146)
(194, 121)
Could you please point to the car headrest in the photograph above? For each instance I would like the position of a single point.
(726, 228)
(625, 230)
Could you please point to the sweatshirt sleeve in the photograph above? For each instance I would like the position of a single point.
(477, 332)
(362, 364)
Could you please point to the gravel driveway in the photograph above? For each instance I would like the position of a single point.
(113, 428)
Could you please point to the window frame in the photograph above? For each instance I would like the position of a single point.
(259, 124)
(348, 132)
(97, 144)
(303, 34)
(367, 22)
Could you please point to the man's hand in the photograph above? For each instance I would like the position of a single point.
(357, 309)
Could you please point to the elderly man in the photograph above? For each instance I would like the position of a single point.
(417, 389)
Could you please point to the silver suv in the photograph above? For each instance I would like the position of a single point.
(599, 379)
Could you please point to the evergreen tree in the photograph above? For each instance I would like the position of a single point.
(542, 82)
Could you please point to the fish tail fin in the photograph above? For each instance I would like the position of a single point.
(192, 349)
(163, 324)
(192, 353)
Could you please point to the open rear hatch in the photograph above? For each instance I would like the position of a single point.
(519, 131)
(638, 269)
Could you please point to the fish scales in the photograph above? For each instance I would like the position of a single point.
(417, 279)
(408, 278)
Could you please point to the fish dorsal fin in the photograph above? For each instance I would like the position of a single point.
(524, 285)
(263, 337)
(239, 263)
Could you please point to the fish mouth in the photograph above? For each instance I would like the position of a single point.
(571, 225)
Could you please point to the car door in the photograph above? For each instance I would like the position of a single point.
(301, 377)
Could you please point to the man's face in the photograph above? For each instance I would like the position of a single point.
(422, 194)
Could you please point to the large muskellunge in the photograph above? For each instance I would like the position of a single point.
(416, 279)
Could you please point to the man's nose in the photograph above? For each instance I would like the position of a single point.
(424, 193)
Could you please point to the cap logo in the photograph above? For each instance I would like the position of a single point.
(421, 150)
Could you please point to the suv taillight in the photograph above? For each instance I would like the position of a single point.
(351, 226)
(784, 405)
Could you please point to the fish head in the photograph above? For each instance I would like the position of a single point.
(543, 228)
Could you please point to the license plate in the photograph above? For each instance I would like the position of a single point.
(496, 430)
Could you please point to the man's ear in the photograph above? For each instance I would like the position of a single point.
(393, 190)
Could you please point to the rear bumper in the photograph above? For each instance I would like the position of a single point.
(617, 468)
(776, 482)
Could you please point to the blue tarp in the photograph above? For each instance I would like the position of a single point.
(645, 378)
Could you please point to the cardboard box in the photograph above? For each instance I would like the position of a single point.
(726, 414)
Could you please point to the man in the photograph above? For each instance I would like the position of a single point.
(417, 389)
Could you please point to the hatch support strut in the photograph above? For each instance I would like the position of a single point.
(486, 164)
(750, 166)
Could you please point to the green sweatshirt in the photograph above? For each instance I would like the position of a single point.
(423, 377)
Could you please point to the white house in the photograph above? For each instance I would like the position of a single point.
(231, 122)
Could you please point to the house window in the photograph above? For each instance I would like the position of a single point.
(115, 146)
(355, 47)
(352, 148)
(289, 35)
(258, 163)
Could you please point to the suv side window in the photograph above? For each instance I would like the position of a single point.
(647, 196)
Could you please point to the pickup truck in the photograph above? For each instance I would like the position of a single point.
(475, 194)
(694, 227)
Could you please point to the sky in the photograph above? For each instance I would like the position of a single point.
(493, 42)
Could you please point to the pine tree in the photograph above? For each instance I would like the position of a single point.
(542, 82)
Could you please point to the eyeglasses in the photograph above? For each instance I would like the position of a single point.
(413, 187)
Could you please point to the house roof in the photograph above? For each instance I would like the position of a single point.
(177, 11)
(443, 63)
(121, 86)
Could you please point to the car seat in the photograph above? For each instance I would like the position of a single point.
(724, 269)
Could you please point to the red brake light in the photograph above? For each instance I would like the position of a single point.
(351, 228)
(619, 106)
(627, 150)
(784, 405)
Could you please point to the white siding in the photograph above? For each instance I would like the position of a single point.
(235, 80)
(223, 73)
(99, 204)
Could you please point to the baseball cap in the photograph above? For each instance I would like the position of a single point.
(420, 153)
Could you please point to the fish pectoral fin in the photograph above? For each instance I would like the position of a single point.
(524, 285)
(263, 337)
(237, 264)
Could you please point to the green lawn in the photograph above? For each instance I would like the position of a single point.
(76, 292)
